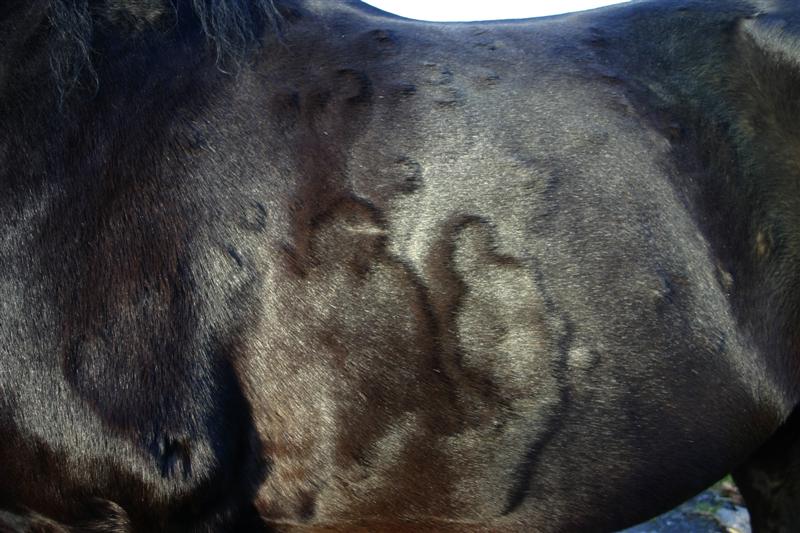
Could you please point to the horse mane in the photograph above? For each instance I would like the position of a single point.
(230, 28)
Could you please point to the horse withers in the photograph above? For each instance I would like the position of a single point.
(301, 265)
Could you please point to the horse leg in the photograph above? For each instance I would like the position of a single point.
(770, 481)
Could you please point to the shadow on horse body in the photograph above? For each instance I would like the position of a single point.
(305, 266)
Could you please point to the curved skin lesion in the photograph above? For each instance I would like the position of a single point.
(510, 344)
(413, 385)
(347, 347)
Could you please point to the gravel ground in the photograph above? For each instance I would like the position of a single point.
(718, 510)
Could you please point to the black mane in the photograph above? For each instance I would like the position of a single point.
(230, 28)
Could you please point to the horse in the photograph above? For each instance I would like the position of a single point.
(303, 265)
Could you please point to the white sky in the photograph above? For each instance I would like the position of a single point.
(483, 9)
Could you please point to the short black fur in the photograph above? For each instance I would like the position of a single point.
(391, 275)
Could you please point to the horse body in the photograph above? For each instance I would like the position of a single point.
(384, 274)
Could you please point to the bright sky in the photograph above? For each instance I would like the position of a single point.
(483, 9)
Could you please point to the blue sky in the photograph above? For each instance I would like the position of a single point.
(483, 9)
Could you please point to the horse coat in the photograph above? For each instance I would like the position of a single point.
(306, 266)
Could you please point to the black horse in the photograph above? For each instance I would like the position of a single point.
(301, 265)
